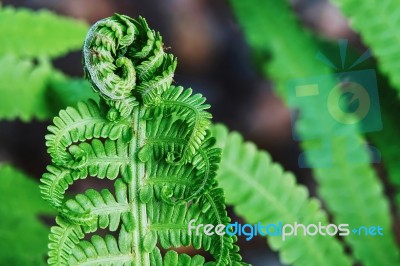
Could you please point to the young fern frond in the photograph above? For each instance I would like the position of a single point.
(83, 123)
(192, 110)
(345, 176)
(152, 139)
(265, 186)
(44, 33)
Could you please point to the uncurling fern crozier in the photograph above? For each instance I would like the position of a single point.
(150, 137)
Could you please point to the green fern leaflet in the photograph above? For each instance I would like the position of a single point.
(269, 195)
(153, 140)
(22, 233)
(44, 33)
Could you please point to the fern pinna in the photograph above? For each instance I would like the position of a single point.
(153, 140)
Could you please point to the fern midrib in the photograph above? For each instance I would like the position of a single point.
(149, 64)
(166, 227)
(249, 180)
(166, 140)
(109, 209)
(138, 179)
(157, 84)
(115, 160)
(174, 180)
(54, 184)
(196, 120)
(107, 260)
(63, 237)
(246, 179)
(81, 124)
(219, 221)
(206, 172)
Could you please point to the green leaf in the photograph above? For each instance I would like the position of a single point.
(349, 186)
(155, 143)
(99, 251)
(78, 124)
(384, 140)
(23, 236)
(23, 88)
(379, 32)
(39, 33)
(377, 22)
(42, 91)
(267, 195)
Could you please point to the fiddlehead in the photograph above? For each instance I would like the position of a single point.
(124, 58)
(149, 136)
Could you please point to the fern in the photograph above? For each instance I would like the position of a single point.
(385, 138)
(340, 184)
(269, 195)
(377, 22)
(22, 234)
(42, 90)
(29, 82)
(379, 33)
(43, 33)
(152, 139)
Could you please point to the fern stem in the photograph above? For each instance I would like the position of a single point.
(138, 177)
(133, 135)
(219, 221)
(110, 260)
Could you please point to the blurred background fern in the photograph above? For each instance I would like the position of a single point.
(240, 55)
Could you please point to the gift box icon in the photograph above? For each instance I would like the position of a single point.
(347, 100)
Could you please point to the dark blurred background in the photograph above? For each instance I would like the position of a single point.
(213, 59)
